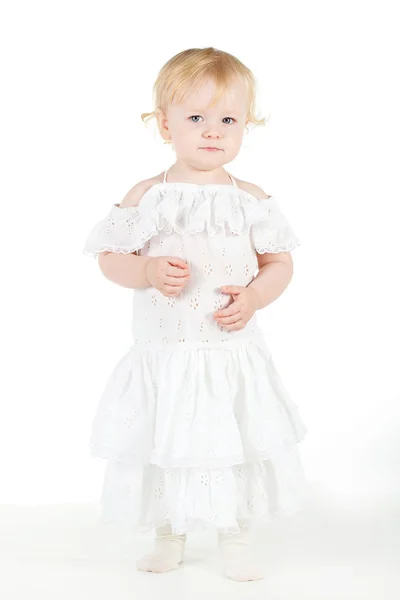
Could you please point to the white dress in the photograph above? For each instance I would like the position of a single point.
(195, 423)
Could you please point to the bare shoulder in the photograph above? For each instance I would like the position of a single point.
(252, 189)
(265, 257)
(134, 195)
(132, 198)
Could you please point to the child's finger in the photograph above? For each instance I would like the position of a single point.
(232, 309)
(229, 320)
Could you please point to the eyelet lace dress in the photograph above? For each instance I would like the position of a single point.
(195, 423)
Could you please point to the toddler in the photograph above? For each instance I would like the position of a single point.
(195, 423)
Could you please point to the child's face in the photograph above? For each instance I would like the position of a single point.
(191, 126)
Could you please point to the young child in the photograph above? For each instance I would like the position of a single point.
(195, 423)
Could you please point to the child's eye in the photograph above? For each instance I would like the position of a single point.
(194, 116)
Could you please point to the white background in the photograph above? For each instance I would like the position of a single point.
(76, 77)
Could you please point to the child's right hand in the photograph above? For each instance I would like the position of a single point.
(168, 274)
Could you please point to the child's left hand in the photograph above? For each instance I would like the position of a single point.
(243, 307)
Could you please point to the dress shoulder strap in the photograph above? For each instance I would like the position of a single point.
(233, 181)
(230, 177)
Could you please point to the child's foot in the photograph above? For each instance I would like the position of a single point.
(167, 553)
(238, 563)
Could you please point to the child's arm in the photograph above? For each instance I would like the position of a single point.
(274, 275)
(275, 268)
(127, 270)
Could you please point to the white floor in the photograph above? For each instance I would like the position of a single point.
(336, 550)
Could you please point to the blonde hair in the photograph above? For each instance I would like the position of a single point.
(189, 68)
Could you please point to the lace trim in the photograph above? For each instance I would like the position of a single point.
(274, 248)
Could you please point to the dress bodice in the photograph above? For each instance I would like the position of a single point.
(218, 229)
(214, 261)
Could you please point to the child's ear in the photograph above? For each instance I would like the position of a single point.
(162, 123)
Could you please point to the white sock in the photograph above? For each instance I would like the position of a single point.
(236, 556)
(167, 552)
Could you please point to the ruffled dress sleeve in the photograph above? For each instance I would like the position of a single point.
(189, 210)
(124, 230)
(271, 231)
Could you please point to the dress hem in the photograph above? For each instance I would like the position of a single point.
(211, 462)
(204, 525)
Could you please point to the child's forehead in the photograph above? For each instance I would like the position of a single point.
(232, 98)
(215, 108)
